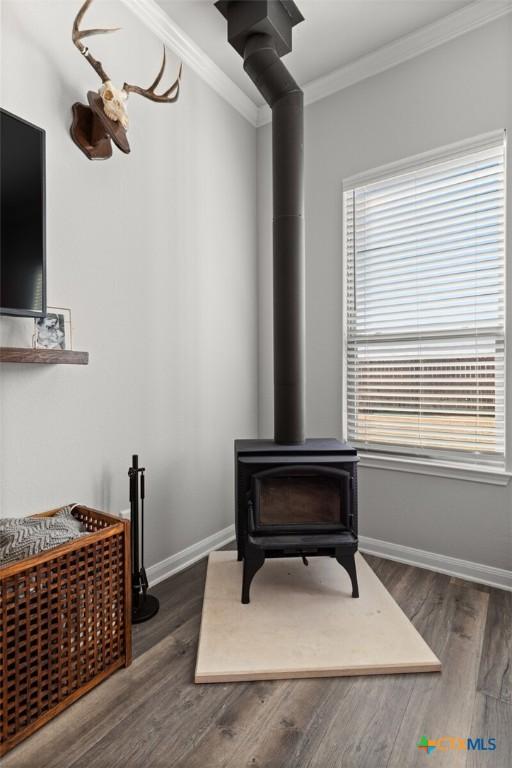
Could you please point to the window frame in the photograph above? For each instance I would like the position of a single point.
(400, 459)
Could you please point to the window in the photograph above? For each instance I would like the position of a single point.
(424, 279)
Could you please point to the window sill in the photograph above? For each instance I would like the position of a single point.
(453, 470)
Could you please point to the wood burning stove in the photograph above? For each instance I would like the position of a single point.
(295, 501)
(295, 497)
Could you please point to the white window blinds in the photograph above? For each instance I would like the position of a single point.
(425, 338)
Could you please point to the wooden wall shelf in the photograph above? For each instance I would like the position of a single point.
(47, 356)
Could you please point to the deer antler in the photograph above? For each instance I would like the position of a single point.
(78, 35)
(149, 93)
(109, 102)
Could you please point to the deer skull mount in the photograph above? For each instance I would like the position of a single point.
(105, 119)
(114, 103)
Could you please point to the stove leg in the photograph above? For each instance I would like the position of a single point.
(253, 560)
(349, 564)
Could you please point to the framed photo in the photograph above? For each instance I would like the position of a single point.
(53, 331)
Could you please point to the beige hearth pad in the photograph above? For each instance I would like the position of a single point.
(303, 622)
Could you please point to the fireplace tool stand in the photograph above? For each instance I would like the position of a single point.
(144, 605)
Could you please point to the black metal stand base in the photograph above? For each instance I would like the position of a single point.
(347, 561)
(253, 560)
(144, 607)
(299, 545)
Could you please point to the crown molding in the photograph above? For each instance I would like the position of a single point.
(407, 47)
(157, 20)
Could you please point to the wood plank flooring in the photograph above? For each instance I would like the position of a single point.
(153, 716)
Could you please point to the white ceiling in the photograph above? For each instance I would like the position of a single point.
(334, 33)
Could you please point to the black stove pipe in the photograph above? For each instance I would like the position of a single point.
(281, 92)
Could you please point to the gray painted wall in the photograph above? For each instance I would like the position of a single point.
(155, 253)
(453, 92)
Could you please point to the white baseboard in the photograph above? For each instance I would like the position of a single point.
(188, 556)
(451, 566)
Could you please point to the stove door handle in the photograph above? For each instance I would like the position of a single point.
(250, 509)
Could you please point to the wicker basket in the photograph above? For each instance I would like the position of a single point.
(65, 624)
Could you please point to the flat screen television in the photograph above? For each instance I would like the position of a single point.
(22, 217)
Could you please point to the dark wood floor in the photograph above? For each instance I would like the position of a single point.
(153, 716)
